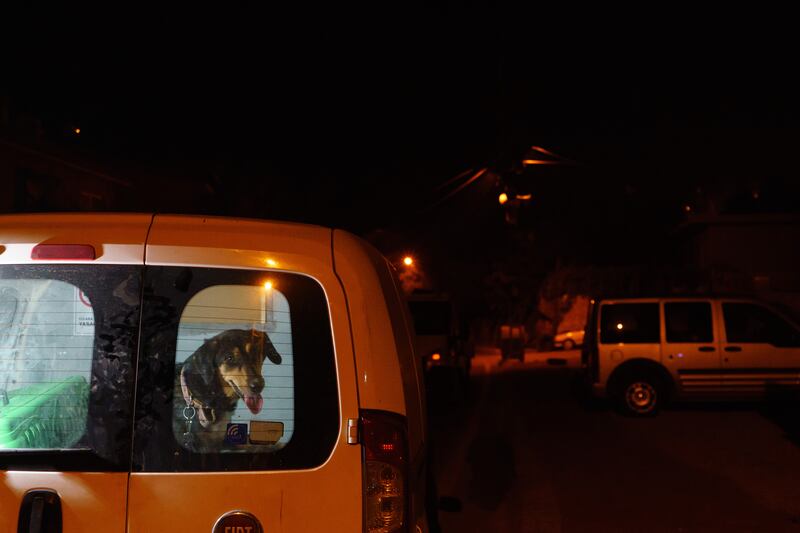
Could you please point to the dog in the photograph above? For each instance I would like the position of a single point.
(208, 385)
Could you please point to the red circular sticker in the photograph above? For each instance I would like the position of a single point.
(84, 299)
(237, 522)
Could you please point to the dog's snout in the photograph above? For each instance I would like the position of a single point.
(257, 385)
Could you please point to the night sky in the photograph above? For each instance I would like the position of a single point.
(353, 119)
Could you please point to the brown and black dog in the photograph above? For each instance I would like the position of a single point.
(226, 368)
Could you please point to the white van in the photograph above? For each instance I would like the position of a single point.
(179, 373)
(642, 352)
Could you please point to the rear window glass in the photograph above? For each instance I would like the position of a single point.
(67, 337)
(240, 335)
(634, 323)
(237, 372)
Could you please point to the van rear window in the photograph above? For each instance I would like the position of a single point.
(236, 372)
(67, 339)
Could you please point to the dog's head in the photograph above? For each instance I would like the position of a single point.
(228, 367)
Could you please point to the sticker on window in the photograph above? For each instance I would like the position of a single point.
(234, 382)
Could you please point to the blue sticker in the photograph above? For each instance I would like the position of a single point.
(236, 434)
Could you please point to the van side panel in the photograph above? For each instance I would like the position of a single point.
(90, 501)
(318, 499)
(376, 348)
(384, 349)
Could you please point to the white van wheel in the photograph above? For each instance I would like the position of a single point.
(641, 397)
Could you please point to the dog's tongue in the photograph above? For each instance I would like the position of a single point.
(254, 402)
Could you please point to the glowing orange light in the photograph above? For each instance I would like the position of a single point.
(77, 131)
(524, 196)
(272, 262)
(268, 285)
(436, 356)
(408, 260)
(619, 326)
(539, 162)
(503, 198)
(387, 447)
(687, 208)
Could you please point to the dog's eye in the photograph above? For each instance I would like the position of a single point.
(228, 358)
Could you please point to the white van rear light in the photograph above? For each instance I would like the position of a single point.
(385, 487)
(64, 252)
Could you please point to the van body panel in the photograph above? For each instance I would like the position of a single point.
(382, 340)
(280, 499)
(612, 355)
(374, 342)
(694, 364)
(90, 501)
(756, 368)
(292, 502)
(238, 243)
(116, 238)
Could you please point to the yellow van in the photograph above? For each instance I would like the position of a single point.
(180, 373)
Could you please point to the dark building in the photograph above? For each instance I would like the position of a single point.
(756, 254)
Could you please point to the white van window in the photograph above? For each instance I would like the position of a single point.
(751, 323)
(634, 323)
(688, 322)
(67, 337)
(236, 372)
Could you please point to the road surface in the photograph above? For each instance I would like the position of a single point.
(524, 453)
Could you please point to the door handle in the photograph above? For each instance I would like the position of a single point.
(733, 348)
(40, 512)
(706, 349)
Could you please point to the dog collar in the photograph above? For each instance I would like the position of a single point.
(187, 397)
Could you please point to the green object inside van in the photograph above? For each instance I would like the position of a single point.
(45, 415)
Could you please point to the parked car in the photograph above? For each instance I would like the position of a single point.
(644, 352)
(442, 340)
(185, 373)
(569, 340)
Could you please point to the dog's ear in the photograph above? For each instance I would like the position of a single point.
(261, 338)
(200, 373)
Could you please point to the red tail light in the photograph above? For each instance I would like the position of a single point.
(385, 467)
(64, 252)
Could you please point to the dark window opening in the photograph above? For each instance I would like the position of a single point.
(635, 323)
(688, 322)
(750, 323)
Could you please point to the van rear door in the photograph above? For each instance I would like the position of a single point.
(246, 382)
(69, 310)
